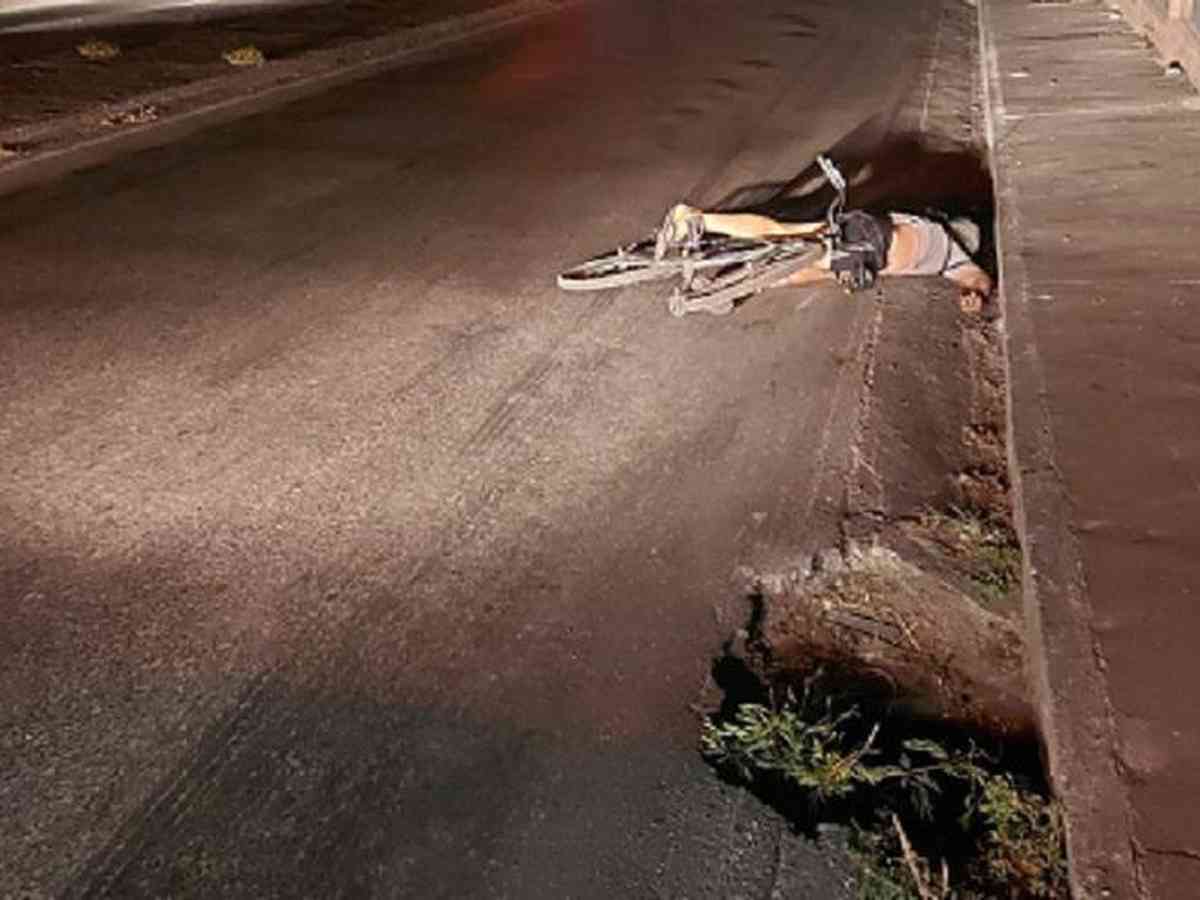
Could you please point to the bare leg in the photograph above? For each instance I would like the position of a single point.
(750, 225)
(740, 225)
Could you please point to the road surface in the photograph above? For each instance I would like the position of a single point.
(340, 553)
(41, 15)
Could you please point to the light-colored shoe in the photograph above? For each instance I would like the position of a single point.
(681, 229)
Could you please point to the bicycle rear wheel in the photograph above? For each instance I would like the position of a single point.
(720, 293)
(631, 264)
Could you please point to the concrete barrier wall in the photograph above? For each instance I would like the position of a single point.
(1173, 26)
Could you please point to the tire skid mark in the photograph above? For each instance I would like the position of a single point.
(165, 807)
(258, 706)
(459, 342)
(508, 408)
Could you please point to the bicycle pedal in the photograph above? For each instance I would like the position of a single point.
(680, 305)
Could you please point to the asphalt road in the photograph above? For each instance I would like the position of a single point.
(28, 15)
(340, 553)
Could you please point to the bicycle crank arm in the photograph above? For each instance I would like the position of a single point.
(680, 304)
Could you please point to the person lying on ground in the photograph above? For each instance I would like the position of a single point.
(902, 244)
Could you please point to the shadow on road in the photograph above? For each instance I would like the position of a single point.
(897, 172)
(322, 793)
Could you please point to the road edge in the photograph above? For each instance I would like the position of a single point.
(1065, 672)
(69, 143)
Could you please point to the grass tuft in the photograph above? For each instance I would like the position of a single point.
(988, 548)
(138, 115)
(1024, 839)
(249, 55)
(929, 822)
(98, 51)
(881, 871)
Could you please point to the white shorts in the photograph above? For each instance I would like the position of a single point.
(938, 251)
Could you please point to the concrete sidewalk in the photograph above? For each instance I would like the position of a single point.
(1097, 158)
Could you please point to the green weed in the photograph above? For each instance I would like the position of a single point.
(881, 872)
(248, 55)
(1023, 840)
(988, 548)
(98, 51)
(1007, 839)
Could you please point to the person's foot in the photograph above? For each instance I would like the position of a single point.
(682, 228)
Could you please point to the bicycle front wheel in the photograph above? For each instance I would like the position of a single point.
(632, 264)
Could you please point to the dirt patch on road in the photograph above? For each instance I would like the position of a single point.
(904, 638)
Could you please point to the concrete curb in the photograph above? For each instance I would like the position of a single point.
(70, 143)
(1066, 679)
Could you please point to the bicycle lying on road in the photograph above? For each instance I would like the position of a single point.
(717, 272)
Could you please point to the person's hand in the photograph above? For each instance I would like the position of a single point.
(970, 302)
(975, 288)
